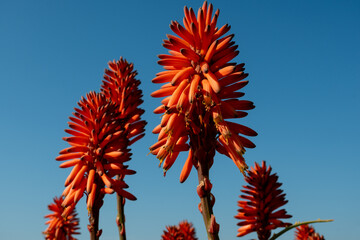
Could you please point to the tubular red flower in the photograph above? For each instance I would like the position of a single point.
(97, 152)
(200, 89)
(184, 231)
(121, 87)
(307, 232)
(258, 213)
(61, 228)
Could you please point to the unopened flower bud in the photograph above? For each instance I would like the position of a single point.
(214, 226)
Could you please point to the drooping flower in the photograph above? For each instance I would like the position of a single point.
(184, 231)
(61, 228)
(306, 232)
(262, 197)
(201, 92)
(97, 153)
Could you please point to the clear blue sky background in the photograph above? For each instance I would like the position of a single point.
(303, 58)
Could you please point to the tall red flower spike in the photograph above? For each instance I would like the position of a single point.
(61, 228)
(200, 93)
(97, 154)
(121, 87)
(184, 231)
(306, 232)
(200, 90)
(262, 197)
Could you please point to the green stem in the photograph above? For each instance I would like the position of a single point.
(203, 144)
(94, 222)
(275, 236)
(94, 213)
(206, 206)
(121, 217)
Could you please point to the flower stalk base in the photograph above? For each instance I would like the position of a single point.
(120, 219)
(207, 200)
(94, 223)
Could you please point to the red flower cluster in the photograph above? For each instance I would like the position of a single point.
(200, 92)
(262, 197)
(121, 87)
(184, 231)
(61, 228)
(96, 153)
(102, 129)
(306, 232)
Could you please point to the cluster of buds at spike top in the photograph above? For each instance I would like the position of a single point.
(103, 128)
(61, 228)
(121, 87)
(184, 231)
(306, 232)
(261, 198)
(97, 153)
(200, 91)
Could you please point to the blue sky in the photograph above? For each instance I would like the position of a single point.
(303, 58)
